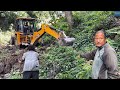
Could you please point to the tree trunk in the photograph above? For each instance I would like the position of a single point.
(68, 15)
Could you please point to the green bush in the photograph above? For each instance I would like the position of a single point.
(5, 37)
(15, 75)
(87, 23)
(60, 63)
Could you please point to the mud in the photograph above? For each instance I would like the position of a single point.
(9, 57)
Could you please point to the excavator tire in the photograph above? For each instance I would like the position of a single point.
(12, 41)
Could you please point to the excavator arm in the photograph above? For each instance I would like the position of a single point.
(51, 31)
(44, 29)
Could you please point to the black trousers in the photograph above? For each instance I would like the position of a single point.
(31, 75)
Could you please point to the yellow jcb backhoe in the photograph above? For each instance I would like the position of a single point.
(26, 33)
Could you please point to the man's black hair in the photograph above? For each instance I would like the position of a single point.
(31, 48)
(103, 31)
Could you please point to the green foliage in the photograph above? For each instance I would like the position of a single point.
(47, 40)
(89, 20)
(5, 37)
(60, 24)
(86, 23)
(61, 63)
(6, 19)
(81, 70)
(115, 30)
(115, 41)
(15, 75)
(22, 14)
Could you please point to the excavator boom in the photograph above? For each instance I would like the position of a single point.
(44, 29)
(61, 37)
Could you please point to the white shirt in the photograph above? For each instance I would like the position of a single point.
(31, 61)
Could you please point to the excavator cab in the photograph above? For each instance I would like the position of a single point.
(26, 33)
(24, 30)
(25, 25)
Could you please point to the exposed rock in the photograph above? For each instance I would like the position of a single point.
(7, 76)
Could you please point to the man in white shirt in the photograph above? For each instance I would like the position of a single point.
(31, 64)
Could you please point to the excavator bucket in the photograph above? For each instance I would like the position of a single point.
(68, 40)
(65, 40)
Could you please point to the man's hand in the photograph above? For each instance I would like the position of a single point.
(19, 61)
(90, 62)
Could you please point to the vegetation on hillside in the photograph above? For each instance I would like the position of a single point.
(63, 62)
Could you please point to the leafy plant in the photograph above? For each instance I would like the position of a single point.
(60, 63)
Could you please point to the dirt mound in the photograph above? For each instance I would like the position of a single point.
(10, 55)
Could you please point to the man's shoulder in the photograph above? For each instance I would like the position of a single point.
(109, 49)
(30, 52)
(35, 52)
